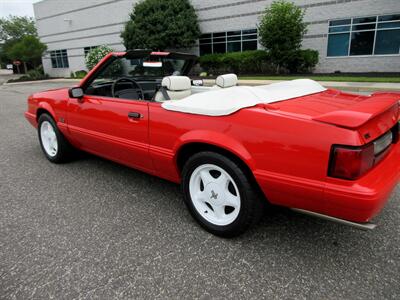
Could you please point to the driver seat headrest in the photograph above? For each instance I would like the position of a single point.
(176, 83)
(176, 87)
(227, 80)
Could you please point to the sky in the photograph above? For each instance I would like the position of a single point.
(16, 8)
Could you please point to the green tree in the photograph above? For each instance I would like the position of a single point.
(281, 32)
(28, 49)
(12, 31)
(14, 28)
(160, 25)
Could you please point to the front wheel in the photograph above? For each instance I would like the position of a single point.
(219, 195)
(54, 145)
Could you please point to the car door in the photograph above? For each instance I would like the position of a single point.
(114, 128)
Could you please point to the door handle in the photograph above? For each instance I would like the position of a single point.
(135, 115)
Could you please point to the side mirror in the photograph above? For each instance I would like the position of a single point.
(197, 82)
(75, 92)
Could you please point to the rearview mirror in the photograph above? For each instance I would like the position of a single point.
(75, 92)
(152, 64)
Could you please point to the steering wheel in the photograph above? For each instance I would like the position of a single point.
(135, 92)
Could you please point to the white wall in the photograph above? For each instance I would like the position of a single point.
(73, 25)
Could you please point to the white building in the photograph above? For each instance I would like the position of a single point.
(350, 35)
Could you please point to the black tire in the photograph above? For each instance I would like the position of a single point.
(251, 206)
(64, 151)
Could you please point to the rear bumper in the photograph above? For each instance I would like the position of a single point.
(357, 201)
(31, 118)
(361, 200)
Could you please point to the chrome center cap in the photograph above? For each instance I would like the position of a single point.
(214, 193)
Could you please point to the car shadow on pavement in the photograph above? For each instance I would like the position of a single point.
(277, 221)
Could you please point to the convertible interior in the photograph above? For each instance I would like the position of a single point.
(152, 76)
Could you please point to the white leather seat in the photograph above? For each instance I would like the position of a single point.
(227, 80)
(175, 87)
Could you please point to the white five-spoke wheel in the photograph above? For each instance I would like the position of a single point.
(220, 194)
(48, 138)
(215, 194)
(54, 145)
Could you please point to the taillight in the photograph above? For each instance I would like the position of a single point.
(348, 162)
(351, 163)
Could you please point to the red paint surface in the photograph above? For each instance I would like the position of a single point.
(286, 144)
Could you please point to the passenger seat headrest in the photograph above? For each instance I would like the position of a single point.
(176, 83)
(226, 80)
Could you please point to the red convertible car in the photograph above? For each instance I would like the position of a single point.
(232, 148)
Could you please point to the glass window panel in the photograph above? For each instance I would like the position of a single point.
(233, 47)
(387, 42)
(218, 34)
(59, 59)
(205, 49)
(53, 62)
(249, 45)
(249, 31)
(205, 41)
(362, 43)
(339, 29)
(364, 27)
(389, 18)
(338, 44)
(219, 40)
(205, 35)
(340, 22)
(234, 38)
(389, 25)
(229, 33)
(219, 48)
(364, 20)
(250, 37)
(65, 62)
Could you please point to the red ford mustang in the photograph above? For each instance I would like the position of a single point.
(232, 148)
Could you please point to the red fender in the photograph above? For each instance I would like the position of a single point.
(216, 139)
(46, 106)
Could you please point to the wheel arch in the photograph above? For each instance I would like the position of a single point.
(44, 107)
(190, 148)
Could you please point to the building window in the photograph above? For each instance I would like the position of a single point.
(59, 59)
(379, 35)
(228, 41)
(87, 49)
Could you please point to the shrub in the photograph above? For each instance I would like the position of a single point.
(247, 62)
(78, 74)
(304, 61)
(95, 55)
(35, 74)
(281, 32)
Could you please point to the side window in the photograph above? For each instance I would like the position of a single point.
(113, 79)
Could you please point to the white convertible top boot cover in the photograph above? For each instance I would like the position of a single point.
(226, 101)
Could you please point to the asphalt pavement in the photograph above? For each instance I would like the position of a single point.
(93, 229)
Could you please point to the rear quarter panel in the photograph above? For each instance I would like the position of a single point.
(288, 155)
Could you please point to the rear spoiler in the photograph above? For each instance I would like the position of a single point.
(360, 113)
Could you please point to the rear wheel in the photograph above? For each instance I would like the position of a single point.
(54, 145)
(219, 195)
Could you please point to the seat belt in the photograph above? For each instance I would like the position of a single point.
(164, 93)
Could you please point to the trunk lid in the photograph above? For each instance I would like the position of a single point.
(371, 115)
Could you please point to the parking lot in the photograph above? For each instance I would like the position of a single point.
(95, 229)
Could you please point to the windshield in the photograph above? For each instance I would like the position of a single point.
(152, 66)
